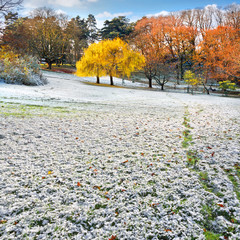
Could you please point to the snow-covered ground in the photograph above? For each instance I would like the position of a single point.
(69, 88)
(116, 163)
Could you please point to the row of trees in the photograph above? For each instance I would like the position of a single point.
(49, 35)
(52, 36)
(205, 41)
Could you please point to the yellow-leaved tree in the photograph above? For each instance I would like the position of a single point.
(191, 79)
(132, 61)
(109, 57)
(91, 64)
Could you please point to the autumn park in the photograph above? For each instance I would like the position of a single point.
(115, 127)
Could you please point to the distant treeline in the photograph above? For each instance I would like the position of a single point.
(206, 41)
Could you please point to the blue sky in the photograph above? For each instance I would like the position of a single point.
(107, 9)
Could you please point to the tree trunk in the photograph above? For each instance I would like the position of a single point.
(177, 74)
(181, 68)
(49, 65)
(206, 88)
(150, 82)
(162, 85)
(98, 80)
(111, 80)
(207, 91)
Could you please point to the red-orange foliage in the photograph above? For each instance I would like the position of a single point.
(145, 44)
(219, 52)
(150, 39)
(164, 40)
(167, 44)
(181, 43)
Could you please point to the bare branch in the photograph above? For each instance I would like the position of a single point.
(7, 5)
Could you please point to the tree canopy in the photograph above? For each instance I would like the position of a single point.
(46, 34)
(205, 41)
(91, 64)
(117, 27)
(109, 57)
(219, 53)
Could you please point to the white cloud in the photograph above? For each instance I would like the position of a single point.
(65, 3)
(162, 13)
(31, 4)
(100, 23)
(102, 17)
(112, 15)
(60, 11)
(212, 6)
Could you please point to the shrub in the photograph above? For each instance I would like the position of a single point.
(15, 69)
(227, 85)
(191, 79)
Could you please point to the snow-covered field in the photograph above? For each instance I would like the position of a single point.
(84, 162)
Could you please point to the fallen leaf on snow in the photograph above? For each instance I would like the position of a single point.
(113, 237)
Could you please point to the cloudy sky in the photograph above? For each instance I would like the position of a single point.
(107, 9)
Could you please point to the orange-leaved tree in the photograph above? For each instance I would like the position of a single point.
(150, 43)
(181, 42)
(219, 53)
(166, 44)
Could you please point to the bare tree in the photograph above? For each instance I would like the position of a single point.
(7, 5)
(163, 72)
(233, 15)
(188, 18)
(204, 18)
(219, 17)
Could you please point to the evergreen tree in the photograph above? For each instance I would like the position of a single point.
(117, 27)
(92, 28)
